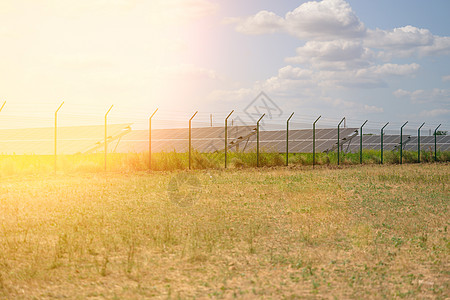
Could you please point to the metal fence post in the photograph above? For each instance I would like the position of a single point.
(106, 134)
(150, 140)
(401, 142)
(418, 142)
(435, 142)
(190, 136)
(361, 142)
(257, 140)
(314, 141)
(56, 126)
(338, 141)
(226, 137)
(382, 134)
(287, 139)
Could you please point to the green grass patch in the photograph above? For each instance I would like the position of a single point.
(357, 232)
(171, 161)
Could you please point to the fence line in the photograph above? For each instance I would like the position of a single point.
(266, 123)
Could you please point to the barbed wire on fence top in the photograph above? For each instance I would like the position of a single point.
(88, 133)
(8, 121)
(202, 118)
(274, 119)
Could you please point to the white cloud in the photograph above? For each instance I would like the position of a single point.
(335, 22)
(303, 96)
(330, 51)
(373, 109)
(406, 41)
(361, 82)
(344, 55)
(339, 51)
(390, 69)
(261, 23)
(435, 113)
(300, 83)
(285, 86)
(295, 81)
(337, 54)
(441, 46)
(353, 106)
(290, 82)
(439, 96)
(327, 19)
(290, 72)
(366, 78)
(399, 38)
(400, 93)
(324, 20)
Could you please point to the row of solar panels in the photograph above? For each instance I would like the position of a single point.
(122, 139)
(212, 139)
(410, 143)
(300, 141)
(70, 140)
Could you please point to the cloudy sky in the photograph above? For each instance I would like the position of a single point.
(378, 60)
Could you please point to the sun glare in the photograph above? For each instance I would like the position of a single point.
(224, 149)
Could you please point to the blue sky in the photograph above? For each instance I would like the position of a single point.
(378, 60)
(415, 88)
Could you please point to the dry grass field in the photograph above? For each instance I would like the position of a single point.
(170, 161)
(353, 232)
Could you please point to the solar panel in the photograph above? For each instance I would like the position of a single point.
(71, 140)
(84, 139)
(373, 142)
(206, 139)
(211, 139)
(427, 143)
(391, 142)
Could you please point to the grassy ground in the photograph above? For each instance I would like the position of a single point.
(125, 162)
(355, 232)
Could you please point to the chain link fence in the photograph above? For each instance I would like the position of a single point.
(260, 134)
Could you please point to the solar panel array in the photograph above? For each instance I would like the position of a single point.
(86, 139)
(71, 140)
(392, 142)
(207, 139)
(300, 141)
(373, 142)
(427, 143)
(212, 139)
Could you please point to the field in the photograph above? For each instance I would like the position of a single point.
(170, 161)
(366, 231)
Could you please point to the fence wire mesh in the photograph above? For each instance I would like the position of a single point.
(127, 133)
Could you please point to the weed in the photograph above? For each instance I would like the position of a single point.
(352, 232)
